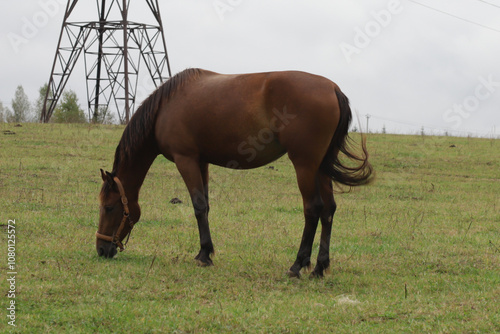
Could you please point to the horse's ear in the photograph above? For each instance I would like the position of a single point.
(103, 175)
(107, 177)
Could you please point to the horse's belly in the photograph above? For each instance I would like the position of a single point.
(245, 154)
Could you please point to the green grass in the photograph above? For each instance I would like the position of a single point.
(416, 252)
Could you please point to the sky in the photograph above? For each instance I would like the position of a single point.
(407, 66)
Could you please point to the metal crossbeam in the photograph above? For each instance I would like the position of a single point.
(113, 53)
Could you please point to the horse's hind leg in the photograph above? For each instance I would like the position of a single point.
(195, 175)
(326, 189)
(313, 206)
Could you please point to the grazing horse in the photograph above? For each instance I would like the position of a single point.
(241, 121)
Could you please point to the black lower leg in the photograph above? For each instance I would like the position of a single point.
(206, 246)
(305, 249)
(323, 261)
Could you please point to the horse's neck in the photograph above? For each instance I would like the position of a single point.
(133, 173)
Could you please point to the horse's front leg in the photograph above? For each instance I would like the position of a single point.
(195, 175)
(207, 247)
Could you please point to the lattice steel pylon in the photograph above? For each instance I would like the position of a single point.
(114, 49)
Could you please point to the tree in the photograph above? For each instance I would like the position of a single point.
(39, 102)
(5, 114)
(69, 111)
(103, 116)
(21, 106)
(2, 113)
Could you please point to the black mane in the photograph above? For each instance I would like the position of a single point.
(141, 125)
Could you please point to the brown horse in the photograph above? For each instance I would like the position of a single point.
(243, 121)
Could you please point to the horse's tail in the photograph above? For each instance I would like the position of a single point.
(356, 170)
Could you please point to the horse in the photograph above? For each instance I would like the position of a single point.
(238, 121)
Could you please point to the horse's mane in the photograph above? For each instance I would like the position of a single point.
(141, 126)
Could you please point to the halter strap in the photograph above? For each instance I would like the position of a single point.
(115, 238)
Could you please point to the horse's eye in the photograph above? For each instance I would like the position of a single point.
(108, 209)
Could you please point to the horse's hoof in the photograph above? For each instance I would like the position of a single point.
(293, 274)
(316, 274)
(204, 264)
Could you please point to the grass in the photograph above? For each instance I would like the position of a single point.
(418, 251)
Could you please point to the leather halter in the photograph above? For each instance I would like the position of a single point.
(115, 238)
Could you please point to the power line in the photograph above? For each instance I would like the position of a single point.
(427, 126)
(408, 123)
(455, 16)
(489, 3)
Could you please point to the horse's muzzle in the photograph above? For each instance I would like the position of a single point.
(106, 249)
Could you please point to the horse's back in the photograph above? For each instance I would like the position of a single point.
(247, 120)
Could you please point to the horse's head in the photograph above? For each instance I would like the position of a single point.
(115, 216)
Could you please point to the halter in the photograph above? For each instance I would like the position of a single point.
(115, 238)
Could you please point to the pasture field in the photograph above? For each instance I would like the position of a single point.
(416, 252)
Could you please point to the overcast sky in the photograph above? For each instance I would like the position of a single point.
(406, 63)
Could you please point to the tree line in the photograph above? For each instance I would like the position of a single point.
(68, 109)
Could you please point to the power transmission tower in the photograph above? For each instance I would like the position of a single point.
(114, 49)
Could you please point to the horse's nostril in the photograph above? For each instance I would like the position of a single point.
(107, 250)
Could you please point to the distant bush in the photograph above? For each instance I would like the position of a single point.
(69, 111)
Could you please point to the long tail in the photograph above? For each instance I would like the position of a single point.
(356, 170)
